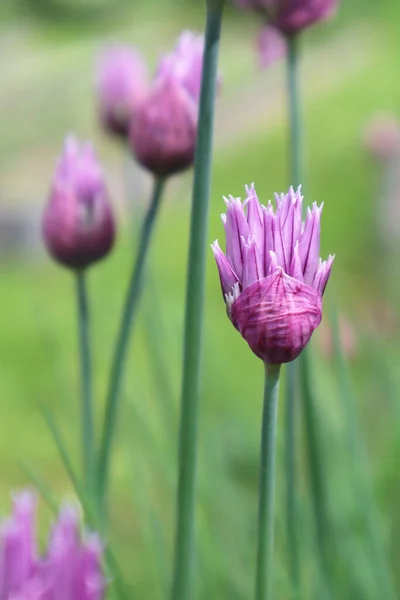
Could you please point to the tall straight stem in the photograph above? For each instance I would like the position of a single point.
(265, 546)
(86, 379)
(295, 146)
(123, 337)
(186, 494)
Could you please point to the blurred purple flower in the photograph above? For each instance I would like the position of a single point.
(121, 85)
(291, 16)
(382, 136)
(271, 46)
(272, 277)
(70, 569)
(163, 129)
(78, 224)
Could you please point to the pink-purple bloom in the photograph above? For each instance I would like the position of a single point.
(271, 276)
(163, 129)
(121, 85)
(70, 567)
(291, 16)
(78, 223)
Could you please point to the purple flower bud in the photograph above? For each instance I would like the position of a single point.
(71, 569)
(272, 277)
(184, 64)
(292, 16)
(121, 85)
(163, 130)
(78, 224)
(271, 46)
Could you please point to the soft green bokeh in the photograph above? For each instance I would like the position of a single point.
(351, 70)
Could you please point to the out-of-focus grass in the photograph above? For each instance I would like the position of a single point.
(38, 330)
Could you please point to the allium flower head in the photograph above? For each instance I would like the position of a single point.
(163, 130)
(70, 569)
(78, 224)
(271, 276)
(292, 16)
(121, 85)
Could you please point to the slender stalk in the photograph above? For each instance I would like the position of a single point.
(186, 494)
(265, 546)
(295, 145)
(86, 380)
(123, 337)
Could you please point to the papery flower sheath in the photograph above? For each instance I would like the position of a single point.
(291, 16)
(121, 85)
(70, 568)
(78, 223)
(163, 130)
(271, 276)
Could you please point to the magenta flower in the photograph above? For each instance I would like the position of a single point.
(271, 45)
(292, 16)
(78, 224)
(70, 569)
(272, 277)
(121, 85)
(163, 130)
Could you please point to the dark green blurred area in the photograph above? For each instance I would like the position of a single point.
(350, 71)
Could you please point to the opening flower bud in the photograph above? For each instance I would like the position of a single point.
(272, 277)
(78, 224)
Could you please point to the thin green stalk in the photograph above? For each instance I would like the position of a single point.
(86, 379)
(266, 498)
(186, 495)
(121, 348)
(313, 446)
(295, 146)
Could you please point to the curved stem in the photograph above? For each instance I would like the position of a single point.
(86, 379)
(265, 546)
(185, 506)
(295, 145)
(120, 353)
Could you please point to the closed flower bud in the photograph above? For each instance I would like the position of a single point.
(121, 85)
(272, 277)
(291, 16)
(163, 129)
(78, 224)
(70, 569)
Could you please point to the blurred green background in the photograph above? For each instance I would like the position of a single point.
(350, 70)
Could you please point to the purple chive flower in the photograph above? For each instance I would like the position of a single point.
(271, 46)
(121, 85)
(272, 277)
(70, 569)
(291, 16)
(163, 129)
(78, 224)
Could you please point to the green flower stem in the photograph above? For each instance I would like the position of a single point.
(121, 348)
(186, 494)
(86, 379)
(265, 546)
(295, 146)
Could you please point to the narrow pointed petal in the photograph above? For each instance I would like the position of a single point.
(227, 275)
(255, 217)
(322, 276)
(309, 244)
(253, 266)
(237, 230)
(268, 236)
(296, 270)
